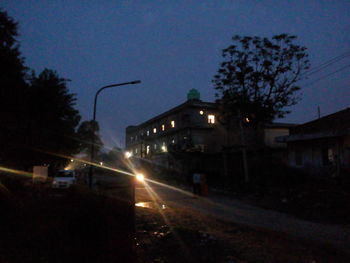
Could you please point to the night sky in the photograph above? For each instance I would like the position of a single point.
(172, 47)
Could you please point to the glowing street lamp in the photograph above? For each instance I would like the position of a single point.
(94, 120)
(128, 155)
(140, 177)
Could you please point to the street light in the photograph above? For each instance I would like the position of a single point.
(140, 177)
(94, 120)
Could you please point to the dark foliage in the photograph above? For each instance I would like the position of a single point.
(13, 88)
(85, 134)
(53, 118)
(258, 77)
(37, 114)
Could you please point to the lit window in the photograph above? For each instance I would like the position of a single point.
(131, 138)
(172, 123)
(163, 127)
(201, 112)
(147, 149)
(147, 133)
(173, 141)
(155, 146)
(154, 130)
(164, 148)
(136, 150)
(211, 119)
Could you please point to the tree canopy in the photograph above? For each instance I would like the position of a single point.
(38, 118)
(12, 71)
(85, 134)
(258, 77)
(53, 117)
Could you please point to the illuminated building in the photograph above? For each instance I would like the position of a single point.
(191, 126)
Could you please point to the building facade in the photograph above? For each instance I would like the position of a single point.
(191, 126)
(321, 146)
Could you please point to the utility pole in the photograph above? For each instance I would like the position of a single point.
(244, 148)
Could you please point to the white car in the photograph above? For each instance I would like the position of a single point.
(64, 179)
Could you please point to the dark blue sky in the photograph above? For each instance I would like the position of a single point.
(173, 46)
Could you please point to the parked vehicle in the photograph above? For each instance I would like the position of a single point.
(64, 179)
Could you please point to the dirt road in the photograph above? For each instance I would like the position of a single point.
(237, 212)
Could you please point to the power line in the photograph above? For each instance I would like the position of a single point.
(326, 64)
(326, 76)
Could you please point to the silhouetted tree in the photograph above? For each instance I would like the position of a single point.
(258, 77)
(13, 89)
(37, 116)
(84, 135)
(113, 158)
(53, 118)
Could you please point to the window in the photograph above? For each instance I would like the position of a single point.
(136, 150)
(147, 149)
(154, 130)
(163, 127)
(164, 148)
(298, 157)
(135, 137)
(201, 112)
(173, 141)
(211, 119)
(131, 138)
(327, 156)
(155, 146)
(172, 123)
(147, 133)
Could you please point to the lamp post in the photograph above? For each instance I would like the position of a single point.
(94, 126)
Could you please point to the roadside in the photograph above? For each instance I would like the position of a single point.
(41, 224)
(220, 214)
(176, 234)
(319, 200)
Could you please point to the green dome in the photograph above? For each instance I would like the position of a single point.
(193, 94)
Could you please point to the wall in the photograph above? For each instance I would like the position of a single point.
(314, 151)
(271, 133)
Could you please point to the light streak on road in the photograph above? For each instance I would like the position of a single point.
(143, 204)
(169, 187)
(16, 172)
(156, 198)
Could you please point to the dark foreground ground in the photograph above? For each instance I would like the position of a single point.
(38, 224)
(178, 234)
(320, 200)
